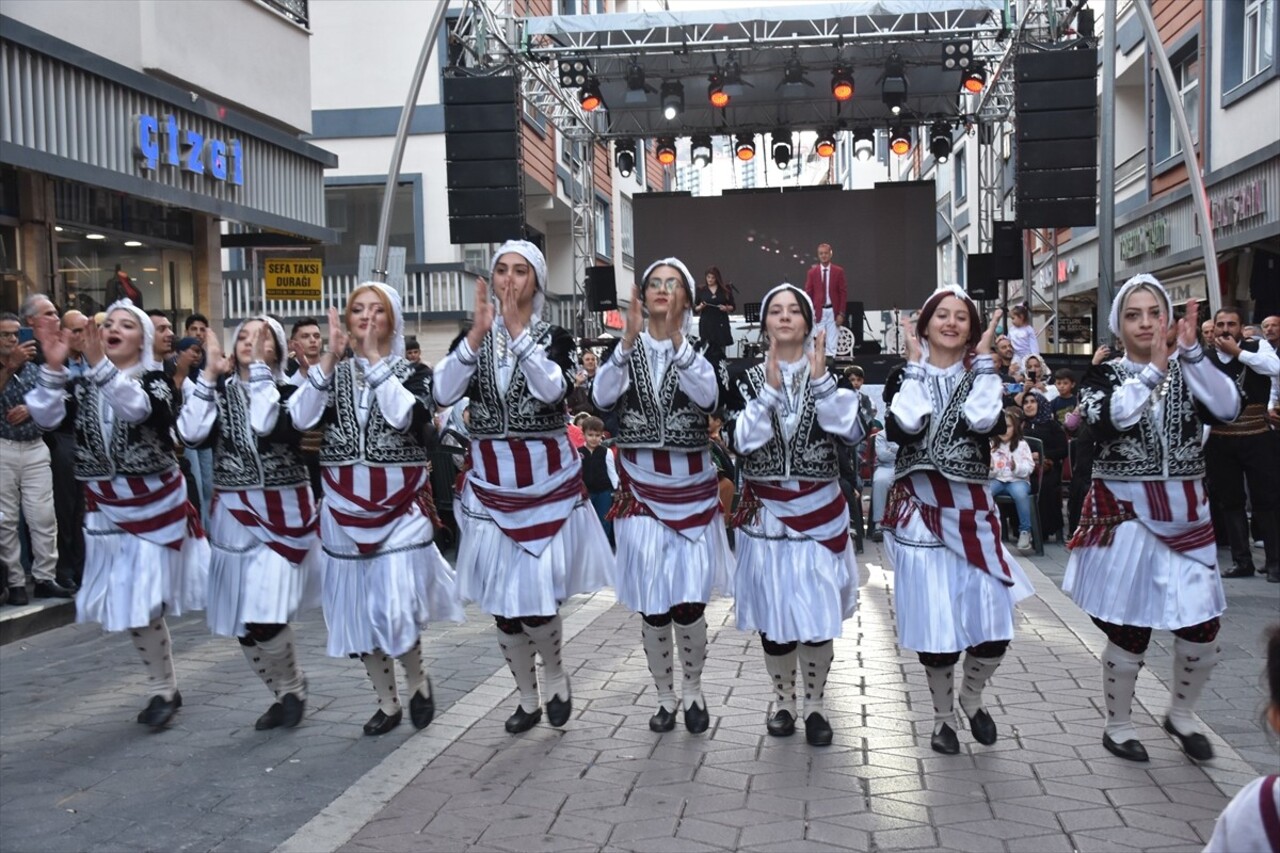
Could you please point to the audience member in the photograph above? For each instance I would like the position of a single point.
(1040, 424)
(599, 471)
(1064, 383)
(579, 399)
(881, 479)
(305, 347)
(412, 349)
(1022, 333)
(1011, 467)
(68, 493)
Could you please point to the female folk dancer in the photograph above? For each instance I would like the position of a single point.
(672, 549)
(954, 589)
(145, 554)
(1144, 555)
(797, 576)
(384, 579)
(530, 538)
(262, 525)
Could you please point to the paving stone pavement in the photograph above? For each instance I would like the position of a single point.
(76, 773)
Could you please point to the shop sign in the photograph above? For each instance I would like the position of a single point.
(160, 142)
(1075, 330)
(293, 278)
(1188, 288)
(1058, 273)
(1150, 236)
(613, 320)
(1238, 205)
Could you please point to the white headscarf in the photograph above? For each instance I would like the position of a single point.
(277, 332)
(1117, 306)
(806, 306)
(148, 359)
(686, 322)
(533, 255)
(397, 313)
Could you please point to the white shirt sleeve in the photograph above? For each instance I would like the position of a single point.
(306, 406)
(546, 378)
(47, 400)
(911, 406)
(837, 409)
(613, 377)
(264, 400)
(985, 404)
(453, 374)
(611, 465)
(124, 394)
(1131, 399)
(393, 398)
(755, 424)
(1263, 362)
(199, 410)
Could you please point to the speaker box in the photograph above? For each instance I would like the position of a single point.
(1006, 249)
(602, 289)
(853, 318)
(482, 154)
(981, 276)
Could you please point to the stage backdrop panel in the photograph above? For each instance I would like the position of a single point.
(885, 238)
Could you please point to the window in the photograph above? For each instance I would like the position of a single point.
(476, 255)
(1259, 36)
(603, 229)
(1186, 77)
(959, 165)
(962, 263)
(355, 210)
(748, 174)
(626, 233)
(689, 178)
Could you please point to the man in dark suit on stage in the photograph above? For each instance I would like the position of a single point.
(825, 285)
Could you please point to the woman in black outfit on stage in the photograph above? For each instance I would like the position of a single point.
(713, 305)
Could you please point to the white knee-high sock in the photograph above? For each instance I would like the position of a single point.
(815, 666)
(152, 642)
(382, 672)
(657, 652)
(546, 639)
(782, 672)
(415, 671)
(693, 657)
(1192, 665)
(977, 671)
(942, 688)
(1119, 677)
(280, 655)
(522, 657)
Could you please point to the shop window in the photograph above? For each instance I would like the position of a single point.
(353, 210)
(90, 259)
(959, 164)
(626, 233)
(603, 229)
(1186, 77)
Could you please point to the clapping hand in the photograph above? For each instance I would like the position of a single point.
(484, 315)
(818, 357)
(93, 351)
(54, 342)
(337, 341)
(914, 352)
(772, 370)
(216, 363)
(634, 321)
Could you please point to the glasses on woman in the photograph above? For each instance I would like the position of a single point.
(665, 284)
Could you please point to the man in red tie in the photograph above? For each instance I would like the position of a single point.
(826, 287)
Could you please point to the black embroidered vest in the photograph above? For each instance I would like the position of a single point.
(516, 413)
(1144, 451)
(133, 450)
(810, 454)
(1254, 387)
(377, 444)
(241, 459)
(947, 444)
(659, 417)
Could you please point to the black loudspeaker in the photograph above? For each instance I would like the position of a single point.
(482, 159)
(853, 318)
(981, 276)
(1006, 249)
(602, 289)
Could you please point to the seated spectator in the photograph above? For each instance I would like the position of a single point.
(1249, 822)
(1064, 383)
(882, 479)
(1011, 467)
(1039, 423)
(599, 471)
(412, 349)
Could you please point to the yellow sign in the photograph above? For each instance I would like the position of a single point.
(293, 278)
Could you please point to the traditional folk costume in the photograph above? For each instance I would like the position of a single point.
(145, 554)
(797, 575)
(529, 535)
(384, 579)
(954, 586)
(1144, 555)
(262, 524)
(673, 554)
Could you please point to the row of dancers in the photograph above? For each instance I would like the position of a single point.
(1142, 558)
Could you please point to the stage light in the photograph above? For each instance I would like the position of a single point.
(956, 55)
(793, 72)
(826, 144)
(782, 148)
(864, 143)
(666, 150)
(731, 72)
(940, 142)
(574, 72)
(624, 156)
(638, 91)
(672, 99)
(745, 147)
(590, 96)
(716, 94)
(975, 78)
(841, 83)
(700, 150)
(900, 140)
(893, 85)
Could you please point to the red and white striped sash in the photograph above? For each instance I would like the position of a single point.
(814, 508)
(284, 520)
(367, 501)
(680, 489)
(154, 507)
(961, 515)
(1175, 511)
(529, 486)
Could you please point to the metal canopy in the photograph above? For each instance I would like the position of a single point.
(689, 47)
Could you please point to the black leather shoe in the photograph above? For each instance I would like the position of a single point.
(294, 709)
(1273, 574)
(177, 703)
(68, 584)
(663, 720)
(18, 596)
(696, 718)
(422, 709)
(272, 719)
(782, 724)
(1239, 571)
(380, 723)
(558, 709)
(817, 731)
(945, 741)
(522, 720)
(159, 712)
(982, 727)
(1195, 745)
(1130, 750)
(50, 589)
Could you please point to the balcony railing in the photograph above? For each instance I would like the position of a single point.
(439, 290)
(294, 10)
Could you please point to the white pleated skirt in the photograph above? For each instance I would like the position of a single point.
(658, 568)
(250, 583)
(944, 603)
(506, 580)
(128, 581)
(790, 587)
(385, 599)
(1138, 580)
